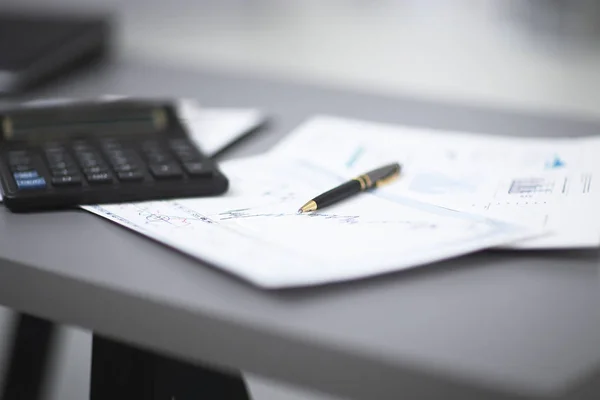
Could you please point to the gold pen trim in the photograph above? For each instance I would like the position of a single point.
(368, 182)
(362, 182)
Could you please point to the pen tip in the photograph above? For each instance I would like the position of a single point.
(310, 206)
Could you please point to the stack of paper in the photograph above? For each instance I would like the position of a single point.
(457, 194)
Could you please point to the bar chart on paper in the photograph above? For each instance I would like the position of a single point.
(531, 186)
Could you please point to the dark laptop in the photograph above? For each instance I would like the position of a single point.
(35, 48)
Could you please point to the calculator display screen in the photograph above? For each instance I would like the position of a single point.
(56, 123)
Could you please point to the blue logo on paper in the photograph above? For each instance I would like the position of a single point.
(354, 157)
(556, 162)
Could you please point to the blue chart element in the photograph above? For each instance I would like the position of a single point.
(437, 183)
(357, 153)
(556, 162)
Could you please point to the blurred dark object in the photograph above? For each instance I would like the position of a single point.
(562, 22)
(37, 48)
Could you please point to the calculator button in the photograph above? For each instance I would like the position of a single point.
(188, 157)
(116, 153)
(150, 145)
(122, 157)
(126, 167)
(159, 158)
(21, 167)
(56, 157)
(61, 165)
(165, 171)
(87, 155)
(81, 145)
(111, 144)
(18, 153)
(66, 180)
(91, 163)
(119, 161)
(63, 171)
(95, 169)
(18, 159)
(102, 177)
(33, 183)
(130, 175)
(55, 149)
(198, 169)
(26, 174)
(58, 161)
(185, 151)
(121, 152)
(54, 146)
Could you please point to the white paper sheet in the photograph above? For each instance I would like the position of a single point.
(213, 129)
(256, 233)
(549, 182)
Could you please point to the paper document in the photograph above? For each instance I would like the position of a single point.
(256, 233)
(546, 182)
(214, 129)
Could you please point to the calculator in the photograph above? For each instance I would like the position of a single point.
(108, 151)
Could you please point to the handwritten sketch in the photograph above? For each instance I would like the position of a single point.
(256, 232)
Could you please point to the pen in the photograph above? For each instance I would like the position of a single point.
(363, 182)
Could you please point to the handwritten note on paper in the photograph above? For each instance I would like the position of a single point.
(277, 247)
(548, 182)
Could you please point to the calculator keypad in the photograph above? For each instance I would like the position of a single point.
(106, 163)
(105, 153)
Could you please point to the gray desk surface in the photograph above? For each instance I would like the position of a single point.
(496, 324)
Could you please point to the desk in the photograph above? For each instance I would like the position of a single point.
(494, 325)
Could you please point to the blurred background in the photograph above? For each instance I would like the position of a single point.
(527, 54)
(540, 56)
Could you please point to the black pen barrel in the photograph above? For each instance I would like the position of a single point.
(338, 193)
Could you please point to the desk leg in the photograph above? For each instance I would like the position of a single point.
(121, 371)
(29, 355)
